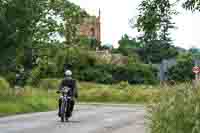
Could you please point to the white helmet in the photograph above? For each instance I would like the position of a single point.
(68, 73)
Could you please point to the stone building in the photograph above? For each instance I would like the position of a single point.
(91, 27)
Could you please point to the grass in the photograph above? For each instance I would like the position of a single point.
(171, 109)
(30, 99)
(115, 94)
(27, 100)
(178, 110)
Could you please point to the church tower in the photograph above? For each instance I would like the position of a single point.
(91, 27)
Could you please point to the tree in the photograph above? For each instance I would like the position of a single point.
(182, 71)
(30, 24)
(154, 21)
(192, 5)
(128, 45)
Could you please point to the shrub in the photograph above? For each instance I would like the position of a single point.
(49, 84)
(135, 74)
(11, 78)
(123, 85)
(108, 74)
(4, 86)
(34, 76)
(177, 111)
(182, 71)
(53, 62)
(105, 78)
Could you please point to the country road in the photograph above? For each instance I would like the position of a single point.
(86, 119)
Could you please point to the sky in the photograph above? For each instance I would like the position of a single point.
(116, 14)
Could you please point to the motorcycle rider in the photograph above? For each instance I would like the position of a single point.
(68, 81)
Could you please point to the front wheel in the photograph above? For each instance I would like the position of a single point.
(67, 115)
(62, 113)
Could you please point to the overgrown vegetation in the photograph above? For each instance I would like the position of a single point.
(85, 66)
(177, 110)
(182, 71)
(44, 97)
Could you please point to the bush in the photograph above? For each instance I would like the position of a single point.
(49, 84)
(182, 71)
(123, 85)
(135, 74)
(85, 67)
(108, 74)
(4, 86)
(178, 111)
(34, 77)
(11, 78)
(96, 75)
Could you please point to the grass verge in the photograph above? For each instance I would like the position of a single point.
(178, 111)
(40, 99)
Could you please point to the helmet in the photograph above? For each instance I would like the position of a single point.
(68, 73)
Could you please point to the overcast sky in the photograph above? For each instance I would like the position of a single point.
(117, 13)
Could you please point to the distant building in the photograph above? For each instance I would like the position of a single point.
(91, 27)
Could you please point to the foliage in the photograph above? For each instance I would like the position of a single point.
(34, 76)
(107, 74)
(90, 92)
(49, 84)
(156, 52)
(95, 74)
(154, 21)
(192, 5)
(84, 42)
(128, 45)
(182, 71)
(135, 74)
(30, 99)
(11, 78)
(27, 100)
(85, 67)
(177, 111)
(4, 86)
(29, 24)
(73, 15)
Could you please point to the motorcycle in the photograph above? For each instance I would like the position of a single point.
(64, 103)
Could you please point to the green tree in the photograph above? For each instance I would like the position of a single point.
(127, 45)
(154, 21)
(35, 23)
(182, 71)
(192, 5)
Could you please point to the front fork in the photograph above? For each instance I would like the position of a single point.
(63, 104)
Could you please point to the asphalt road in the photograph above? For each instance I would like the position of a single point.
(86, 119)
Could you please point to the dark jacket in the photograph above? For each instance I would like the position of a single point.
(71, 83)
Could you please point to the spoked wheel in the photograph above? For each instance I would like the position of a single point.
(63, 115)
(66, 112)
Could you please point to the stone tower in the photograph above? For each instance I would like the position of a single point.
(91, 27)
